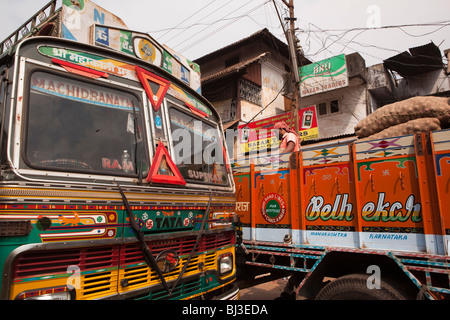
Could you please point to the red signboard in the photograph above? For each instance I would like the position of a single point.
(259, 135)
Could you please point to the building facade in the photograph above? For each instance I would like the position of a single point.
(340, 107)
(250, 80)
(241, 79)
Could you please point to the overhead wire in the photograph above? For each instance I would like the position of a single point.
(345, 43)
(199, 22)
(185, 28)
(311, 33)
(180, 23)
(341, 104)
(339, 38)
(216, 21)
(190, 45)
(329, 95)
(220, 28)
(439, 23)
(426, 33)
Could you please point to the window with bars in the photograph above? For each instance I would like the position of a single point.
(250, 92)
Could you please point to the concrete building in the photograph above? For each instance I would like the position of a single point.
(244, 77)
(339, 110)
(240, 80)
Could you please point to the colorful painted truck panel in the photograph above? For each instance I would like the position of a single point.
(95, 200)
(387, 195)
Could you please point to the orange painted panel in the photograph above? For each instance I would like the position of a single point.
(242, 183)
(328, 199)
(272, 199)
(441, 159)
(389, 194)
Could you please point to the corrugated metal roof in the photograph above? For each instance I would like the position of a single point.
(418, 60)
(230, 123)
(263, 34)
(236, 68)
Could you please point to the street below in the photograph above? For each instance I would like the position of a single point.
(267, 290)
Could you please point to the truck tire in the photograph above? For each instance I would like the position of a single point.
(354, 287)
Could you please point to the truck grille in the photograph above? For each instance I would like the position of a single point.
(97, 265)
(137, 273)
(181, 290)
(36, 263)
(103, 268)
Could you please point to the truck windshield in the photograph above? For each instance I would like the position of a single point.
(78, 126)
(198, 149)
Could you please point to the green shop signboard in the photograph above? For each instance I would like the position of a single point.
(322, 76)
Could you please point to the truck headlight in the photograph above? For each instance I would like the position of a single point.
(225, 264)
(52, 296)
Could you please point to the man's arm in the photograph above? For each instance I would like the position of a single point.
(290, 147)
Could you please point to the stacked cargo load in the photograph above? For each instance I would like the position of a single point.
(418, 114)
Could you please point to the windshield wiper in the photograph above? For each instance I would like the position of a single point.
(148, 256)
(199, 236)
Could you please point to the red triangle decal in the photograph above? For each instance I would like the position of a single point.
(163, 169)
(163, 85)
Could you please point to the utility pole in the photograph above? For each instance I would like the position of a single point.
(292, 42)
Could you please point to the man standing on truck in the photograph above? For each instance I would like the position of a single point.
(289, 138)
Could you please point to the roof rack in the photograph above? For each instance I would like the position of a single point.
(29, 27)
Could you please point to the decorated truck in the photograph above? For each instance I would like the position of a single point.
(350, 218)
(114, 178)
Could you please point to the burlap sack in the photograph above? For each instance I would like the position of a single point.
(401, 112)
(410, 127)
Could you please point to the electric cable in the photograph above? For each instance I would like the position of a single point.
(220, 28)
(201, 9)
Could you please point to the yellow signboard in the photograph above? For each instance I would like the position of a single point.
(260, 135)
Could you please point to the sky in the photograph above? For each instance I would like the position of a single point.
(377, 29)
